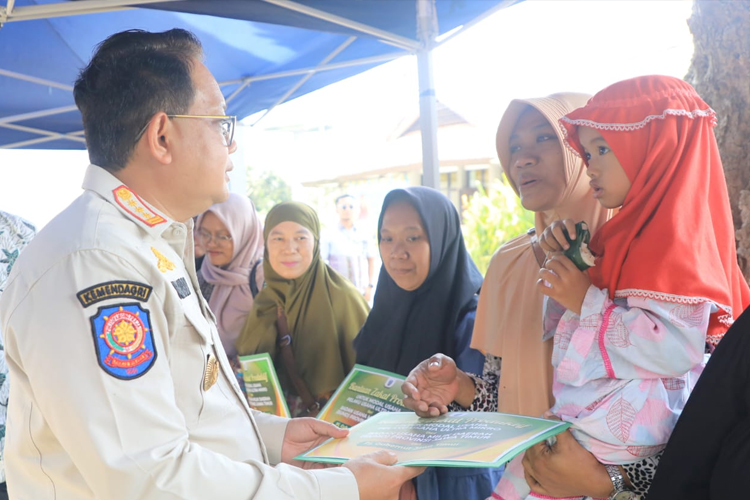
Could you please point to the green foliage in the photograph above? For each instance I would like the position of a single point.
(266, 189)
(492, 218)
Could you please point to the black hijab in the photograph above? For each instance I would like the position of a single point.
(406, 327)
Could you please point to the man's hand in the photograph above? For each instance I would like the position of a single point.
(303, 434)
(565, 470)
(433, 384)
(377, 477)
(368, 294)
(561, 280)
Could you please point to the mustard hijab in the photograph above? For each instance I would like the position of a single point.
(509, 315)
(323, 309)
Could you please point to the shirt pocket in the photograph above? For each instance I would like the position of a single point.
(218, 397)
(188, 358)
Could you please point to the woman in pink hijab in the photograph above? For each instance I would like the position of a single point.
(231, 274)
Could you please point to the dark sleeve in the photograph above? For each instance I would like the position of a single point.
(713, 425)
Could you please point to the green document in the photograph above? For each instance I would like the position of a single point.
(262, 385)
(363, 393)
(459, 439)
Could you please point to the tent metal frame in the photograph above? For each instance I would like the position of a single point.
(426, 29)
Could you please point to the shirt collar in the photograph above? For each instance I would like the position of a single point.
(127, 201)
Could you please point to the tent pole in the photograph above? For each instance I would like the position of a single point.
(316, 69)
(37, 114)
(427, 30)
(382, 35)
(302, 80)
(6, 11)
(33, 79)
(30, 142)
(51, 135)
(61, 9)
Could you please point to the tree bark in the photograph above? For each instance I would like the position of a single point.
(720, 72)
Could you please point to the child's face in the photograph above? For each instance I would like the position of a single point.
(608, 179)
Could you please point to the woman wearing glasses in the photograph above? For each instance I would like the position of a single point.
(230, 276)
(307, 316)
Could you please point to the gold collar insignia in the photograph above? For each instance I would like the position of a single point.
(134, 205)
(164, 263)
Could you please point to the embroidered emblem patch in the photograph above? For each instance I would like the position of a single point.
(135, 206)
(114, 290)
(124, 341)
(183, 290)
(164, 263)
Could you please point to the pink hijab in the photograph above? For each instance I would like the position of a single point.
(231, 299)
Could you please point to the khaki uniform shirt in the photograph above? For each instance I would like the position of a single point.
(120, 388)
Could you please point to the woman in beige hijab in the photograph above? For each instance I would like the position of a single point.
(551, 181)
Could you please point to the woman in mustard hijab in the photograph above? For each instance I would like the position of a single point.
(307, 316)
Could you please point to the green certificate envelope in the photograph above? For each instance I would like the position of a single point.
(459, 439)
(262, 385)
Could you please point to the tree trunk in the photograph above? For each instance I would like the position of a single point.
(720, 72)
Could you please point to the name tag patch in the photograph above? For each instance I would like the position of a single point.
(124, 340)
(114, 290)
(183, 290)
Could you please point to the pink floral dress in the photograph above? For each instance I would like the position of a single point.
(623, 372)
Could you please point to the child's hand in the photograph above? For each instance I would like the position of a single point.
(553, 238)
(561, 280)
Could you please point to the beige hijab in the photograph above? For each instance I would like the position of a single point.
(509, 316)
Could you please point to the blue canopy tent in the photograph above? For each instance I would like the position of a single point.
(262, 52)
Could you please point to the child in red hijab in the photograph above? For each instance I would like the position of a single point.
(630, 345)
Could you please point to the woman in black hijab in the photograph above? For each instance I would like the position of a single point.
(425, 303)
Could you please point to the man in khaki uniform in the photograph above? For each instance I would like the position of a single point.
(120, 386)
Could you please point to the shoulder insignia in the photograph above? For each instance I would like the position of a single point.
(164, 263)
(136, 207)
(183, 290)
(124, 341)
(114, 290)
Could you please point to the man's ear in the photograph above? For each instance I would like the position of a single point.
(158, 137)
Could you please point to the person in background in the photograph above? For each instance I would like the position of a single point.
(349, 249)
(425, 303)
(120, 387)
(15, 234)
(231, 277)
(307, 316)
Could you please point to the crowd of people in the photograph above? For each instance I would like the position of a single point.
(124, 319)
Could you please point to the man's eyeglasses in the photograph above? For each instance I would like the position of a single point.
(220, 239)
(227, 123)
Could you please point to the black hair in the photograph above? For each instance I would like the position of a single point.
(341, 197)
(133, 75)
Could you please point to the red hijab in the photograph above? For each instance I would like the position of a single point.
(673, 239)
